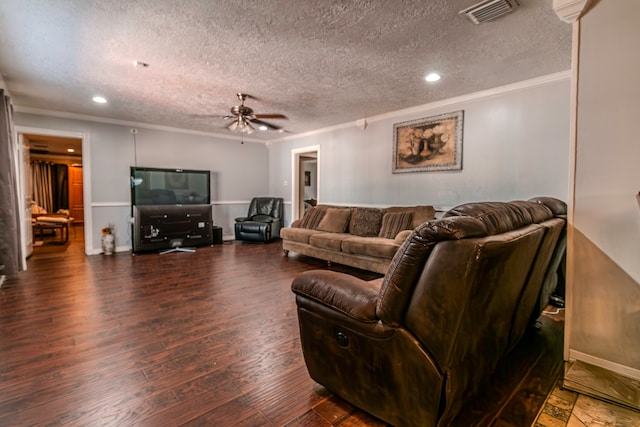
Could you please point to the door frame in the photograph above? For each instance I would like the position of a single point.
(86, 189)
(297, 178)
(24, 202)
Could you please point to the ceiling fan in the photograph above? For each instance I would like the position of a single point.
(244, 118)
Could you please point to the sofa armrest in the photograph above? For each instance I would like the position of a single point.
(347, 294)
(242, 219)
(263, 218)
(402, 236)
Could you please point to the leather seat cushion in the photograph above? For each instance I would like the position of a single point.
(252, 227)
(370, 246)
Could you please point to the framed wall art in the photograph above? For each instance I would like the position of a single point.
(429, 144)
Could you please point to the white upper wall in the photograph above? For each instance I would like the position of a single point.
(607, 172)
(515, 146)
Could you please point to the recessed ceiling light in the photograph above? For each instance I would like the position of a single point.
(433, 77)
(140, 64)
(263, 127)
(70, 150)
(99, 99)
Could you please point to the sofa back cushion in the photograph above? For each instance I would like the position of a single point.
(271, 206)
(462, 304)
(395, 222)
(421, 214)
(503, 216)
(408, 263)
(335, 220)
(365, 222)
(312, 218)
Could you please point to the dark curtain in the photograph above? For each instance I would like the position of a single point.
(50, 183)
(10, 245)
(42, 189)
(60, 183)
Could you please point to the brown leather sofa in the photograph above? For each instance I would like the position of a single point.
(411, 348)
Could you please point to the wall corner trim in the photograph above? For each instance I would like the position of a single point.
(569, 11)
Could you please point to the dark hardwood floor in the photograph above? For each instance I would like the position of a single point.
(199, 339)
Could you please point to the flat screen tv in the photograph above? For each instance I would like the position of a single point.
(157, 186)
(173, 228)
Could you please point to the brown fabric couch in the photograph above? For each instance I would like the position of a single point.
(365, 238)
(411, 348)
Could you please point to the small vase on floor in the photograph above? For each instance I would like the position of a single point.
(108, 244)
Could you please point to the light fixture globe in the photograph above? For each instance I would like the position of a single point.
(432, 77)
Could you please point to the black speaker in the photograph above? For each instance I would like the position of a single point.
(216, 235)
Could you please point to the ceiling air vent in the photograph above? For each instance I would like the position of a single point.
(489, 9)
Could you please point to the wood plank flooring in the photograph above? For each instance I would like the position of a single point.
(197, 339)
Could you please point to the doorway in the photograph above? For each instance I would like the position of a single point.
(52, 182)
(306, 180)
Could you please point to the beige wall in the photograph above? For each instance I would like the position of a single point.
(604, 246)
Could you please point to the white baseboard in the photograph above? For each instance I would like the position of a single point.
(605, 364)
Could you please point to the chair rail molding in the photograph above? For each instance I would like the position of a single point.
(569, 10)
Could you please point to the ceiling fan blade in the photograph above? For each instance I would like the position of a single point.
(261, 123)
(205, 116)
(240, 95)
(269, 116)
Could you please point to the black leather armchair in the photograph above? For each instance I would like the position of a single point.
(263, 221)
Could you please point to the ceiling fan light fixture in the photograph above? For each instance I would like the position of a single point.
(241, 125)
(245, 121)
(432, 77)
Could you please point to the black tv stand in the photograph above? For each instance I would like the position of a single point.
(171, 228)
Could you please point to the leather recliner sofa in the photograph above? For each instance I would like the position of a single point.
(412, 347)
(263, 221)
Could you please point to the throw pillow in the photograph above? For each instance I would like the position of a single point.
(365, 222)
(335, 220)
(311, 218)
(395, 222)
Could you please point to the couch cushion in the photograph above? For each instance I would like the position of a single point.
(370, 246)
(421, 214)
(395, 222)
(330, 241)
(312, 218)
(365, 222)
(300, 235)
(335, 220)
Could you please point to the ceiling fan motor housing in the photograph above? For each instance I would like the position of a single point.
(241, 110)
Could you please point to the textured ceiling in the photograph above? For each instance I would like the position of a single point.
(321, 63)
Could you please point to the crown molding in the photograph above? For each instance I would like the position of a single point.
(522, 85)
(89, 118)
(569, 11)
